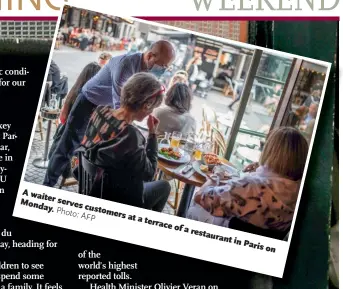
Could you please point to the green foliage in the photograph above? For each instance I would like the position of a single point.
(10, 46)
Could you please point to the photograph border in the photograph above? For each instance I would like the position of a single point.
(215, 38)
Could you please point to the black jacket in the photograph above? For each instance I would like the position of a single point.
(54, 76)
(128, 158)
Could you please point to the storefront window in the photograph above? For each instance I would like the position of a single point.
(274, 67)
(305, 98)
(265, 94)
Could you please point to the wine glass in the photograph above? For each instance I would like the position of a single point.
(207, 146)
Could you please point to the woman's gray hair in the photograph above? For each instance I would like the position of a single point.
(141, 89)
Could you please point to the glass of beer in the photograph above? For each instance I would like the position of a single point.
(198, 152)
(176, 138)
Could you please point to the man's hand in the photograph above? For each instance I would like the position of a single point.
(152, 124)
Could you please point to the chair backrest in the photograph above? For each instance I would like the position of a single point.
(209, 119)
(90, 177)
(218, 140)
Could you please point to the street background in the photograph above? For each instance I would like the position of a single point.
(72, 60)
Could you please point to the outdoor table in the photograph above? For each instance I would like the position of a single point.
(246, 140)
(227, 121)
(250, 155)
(195, 180)
(49, 115)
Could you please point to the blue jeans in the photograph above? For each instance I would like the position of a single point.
(70, 140)
(155, 195)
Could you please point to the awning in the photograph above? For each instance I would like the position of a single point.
(172, 34)
(126, 20)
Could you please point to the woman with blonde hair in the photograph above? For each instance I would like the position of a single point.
(265, 198)
(180, 76)
(112, 142)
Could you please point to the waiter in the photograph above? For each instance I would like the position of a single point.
(104, 89)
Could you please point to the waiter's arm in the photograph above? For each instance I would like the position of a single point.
(120, 74)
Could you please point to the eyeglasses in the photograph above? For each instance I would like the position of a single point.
(161, 91)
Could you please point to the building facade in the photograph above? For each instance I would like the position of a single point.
(116, 27)
(233, 30)
(27, 29)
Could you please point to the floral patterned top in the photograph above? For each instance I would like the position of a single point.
(262, 198)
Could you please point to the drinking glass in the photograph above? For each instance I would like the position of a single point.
(176, 138)
(207, 147)
(166, 138)
(190, 143)
(198, 151)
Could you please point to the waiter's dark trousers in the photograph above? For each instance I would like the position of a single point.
(70, 140)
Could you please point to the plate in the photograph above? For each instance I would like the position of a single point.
(232, 171)
(185, 158)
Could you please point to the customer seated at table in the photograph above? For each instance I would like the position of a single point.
(175, 116)
(312, 113)
(180, 76)
(296, 118)
(113, 143)
(265, 198)
(309, 122)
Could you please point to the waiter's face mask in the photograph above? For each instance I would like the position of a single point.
(155, 68)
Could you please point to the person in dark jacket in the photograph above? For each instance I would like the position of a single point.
(53, 82)
(87, 73)
(113, 143)
(54, 76)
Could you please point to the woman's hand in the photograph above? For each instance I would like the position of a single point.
(211, 203)
(152, 123)
(251, 168)
(219, 171)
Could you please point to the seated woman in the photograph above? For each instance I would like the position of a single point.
(175, 116)
(113, 143)
(265, 198)
(179, 76)
(296, 118)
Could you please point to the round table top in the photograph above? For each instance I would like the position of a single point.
(249, 154)
(171, 169)
(227, 121)
(50, 114)
(245, 139)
